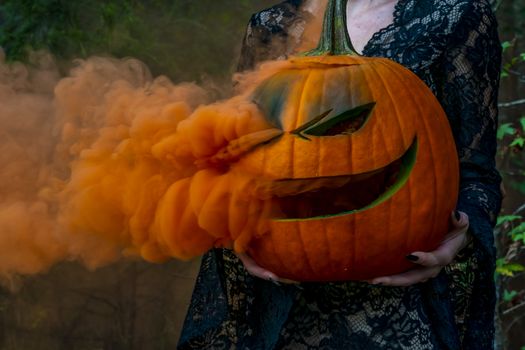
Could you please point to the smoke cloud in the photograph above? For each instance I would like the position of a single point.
(110, 162)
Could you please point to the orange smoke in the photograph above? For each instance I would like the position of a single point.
(313, 12)
(110, 162)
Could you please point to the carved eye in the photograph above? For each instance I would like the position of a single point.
(347, 122)
(344, 123)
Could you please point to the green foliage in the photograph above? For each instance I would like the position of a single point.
(505, 45)
(511, 136)
(518, 233)
(49, 24)
(510, 65)
(505, 129)
(185, 40)
(510, 228)
(508, 269)
(505, 219)
(508, 296)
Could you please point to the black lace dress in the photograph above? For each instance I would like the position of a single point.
(453, 46)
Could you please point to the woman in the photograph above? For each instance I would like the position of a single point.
(452, 45)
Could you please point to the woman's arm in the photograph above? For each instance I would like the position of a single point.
(252, 45)
(469, 94)
(468, 91)
(267, 36)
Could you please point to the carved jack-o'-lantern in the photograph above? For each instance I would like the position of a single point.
(365, 171)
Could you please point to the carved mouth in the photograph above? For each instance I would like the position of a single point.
(315, 198)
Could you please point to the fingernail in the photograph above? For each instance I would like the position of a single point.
(457, 215)
(412, 257)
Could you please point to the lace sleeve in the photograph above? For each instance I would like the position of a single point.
(469, 94)
(270, 34)
(253, 49)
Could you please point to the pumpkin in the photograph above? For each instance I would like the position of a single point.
(365, 169)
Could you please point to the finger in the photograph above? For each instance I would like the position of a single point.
(458, 226)
(459, 219)
(443, 255)
(408, 278)
(255, 270)
(448, 249)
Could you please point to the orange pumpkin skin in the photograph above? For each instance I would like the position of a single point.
(362, 243)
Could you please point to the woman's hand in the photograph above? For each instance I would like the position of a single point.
(431, 263)
(255, 270)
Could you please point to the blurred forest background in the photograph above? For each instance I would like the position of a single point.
(132, 305)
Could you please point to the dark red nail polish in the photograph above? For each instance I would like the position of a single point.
(412, 257)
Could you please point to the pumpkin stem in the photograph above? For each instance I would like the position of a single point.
(334, 37)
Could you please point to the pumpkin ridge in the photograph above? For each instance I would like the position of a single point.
(352, 96)
(276, 253)
(318, 155)
(350, 149)
(302, 101)
(327, 243)
(303, 252)
(372, 87)
(391, 96)
(292, 157)
(350, 146)
(387, 89)
(300, 112)
(423, 122)
(306, 253)
(354, 240)
(437, 185)
(378, 78)
(385, 149)
(380, 128)
(321, 106)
